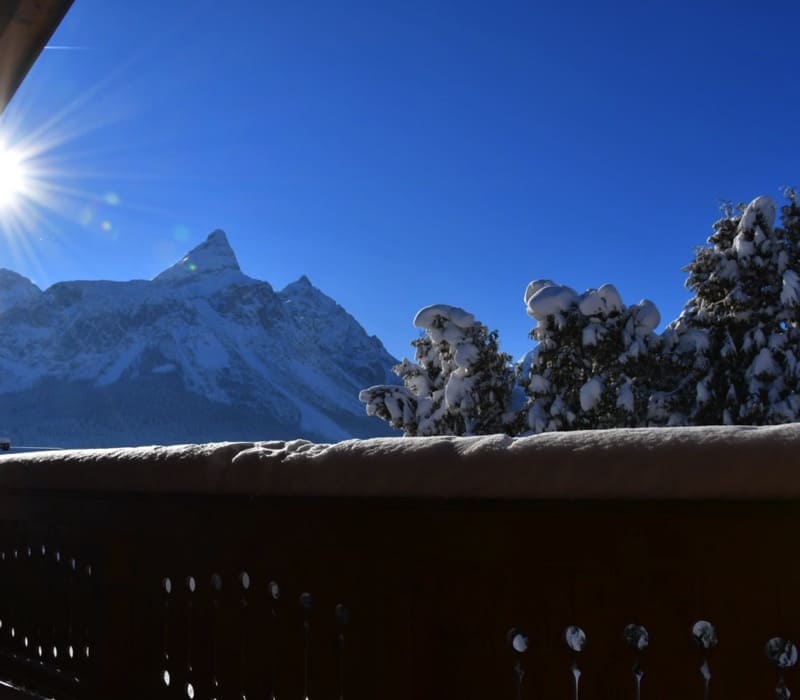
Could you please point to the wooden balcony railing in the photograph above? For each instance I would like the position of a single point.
(367, 571)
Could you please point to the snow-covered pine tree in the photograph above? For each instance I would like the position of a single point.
(460, 383)
(734, 349)
(594, 360)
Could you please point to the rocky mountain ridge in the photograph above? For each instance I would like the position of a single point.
(201, 352)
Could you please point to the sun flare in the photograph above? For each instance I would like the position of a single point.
(12, 177)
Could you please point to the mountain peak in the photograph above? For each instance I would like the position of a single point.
(212, 257)
(301, 285)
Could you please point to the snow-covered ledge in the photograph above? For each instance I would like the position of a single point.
(662, 463)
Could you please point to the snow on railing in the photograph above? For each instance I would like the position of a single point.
(203, 574)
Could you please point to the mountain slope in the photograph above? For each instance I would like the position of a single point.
(202, 352)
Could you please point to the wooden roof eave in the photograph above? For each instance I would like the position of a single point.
(25, 28)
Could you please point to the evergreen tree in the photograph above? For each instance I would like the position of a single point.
(733, 352)
(594, 360)
(732, 357)
(459, 384)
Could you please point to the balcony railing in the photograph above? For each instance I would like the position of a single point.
(490, 568)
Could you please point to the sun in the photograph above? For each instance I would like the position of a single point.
(12, 177)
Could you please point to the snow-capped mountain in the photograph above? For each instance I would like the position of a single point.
(200, 353)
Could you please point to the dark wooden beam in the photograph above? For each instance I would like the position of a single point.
(25, 28)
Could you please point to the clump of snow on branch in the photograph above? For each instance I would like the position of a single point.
(459, 384)
(397, 405)
(547, 300)
(732, 354)
(591, 361)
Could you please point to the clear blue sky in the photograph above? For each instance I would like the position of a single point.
(406, 153)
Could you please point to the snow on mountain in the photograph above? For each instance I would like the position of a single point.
(213, 260)
(15, 289)
(199, 353)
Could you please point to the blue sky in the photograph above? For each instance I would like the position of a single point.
(404, 154)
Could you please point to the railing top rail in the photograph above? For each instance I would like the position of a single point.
(660, 463)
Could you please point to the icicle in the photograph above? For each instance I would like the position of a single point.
(166, 587)
(275, 595)
(244, 605)
(216, 588)
(782, 654)
(306, 604)
(342, 615)
(705, 636)
(575, 638)
(191, 586)
(636, 636)
(518, 641)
